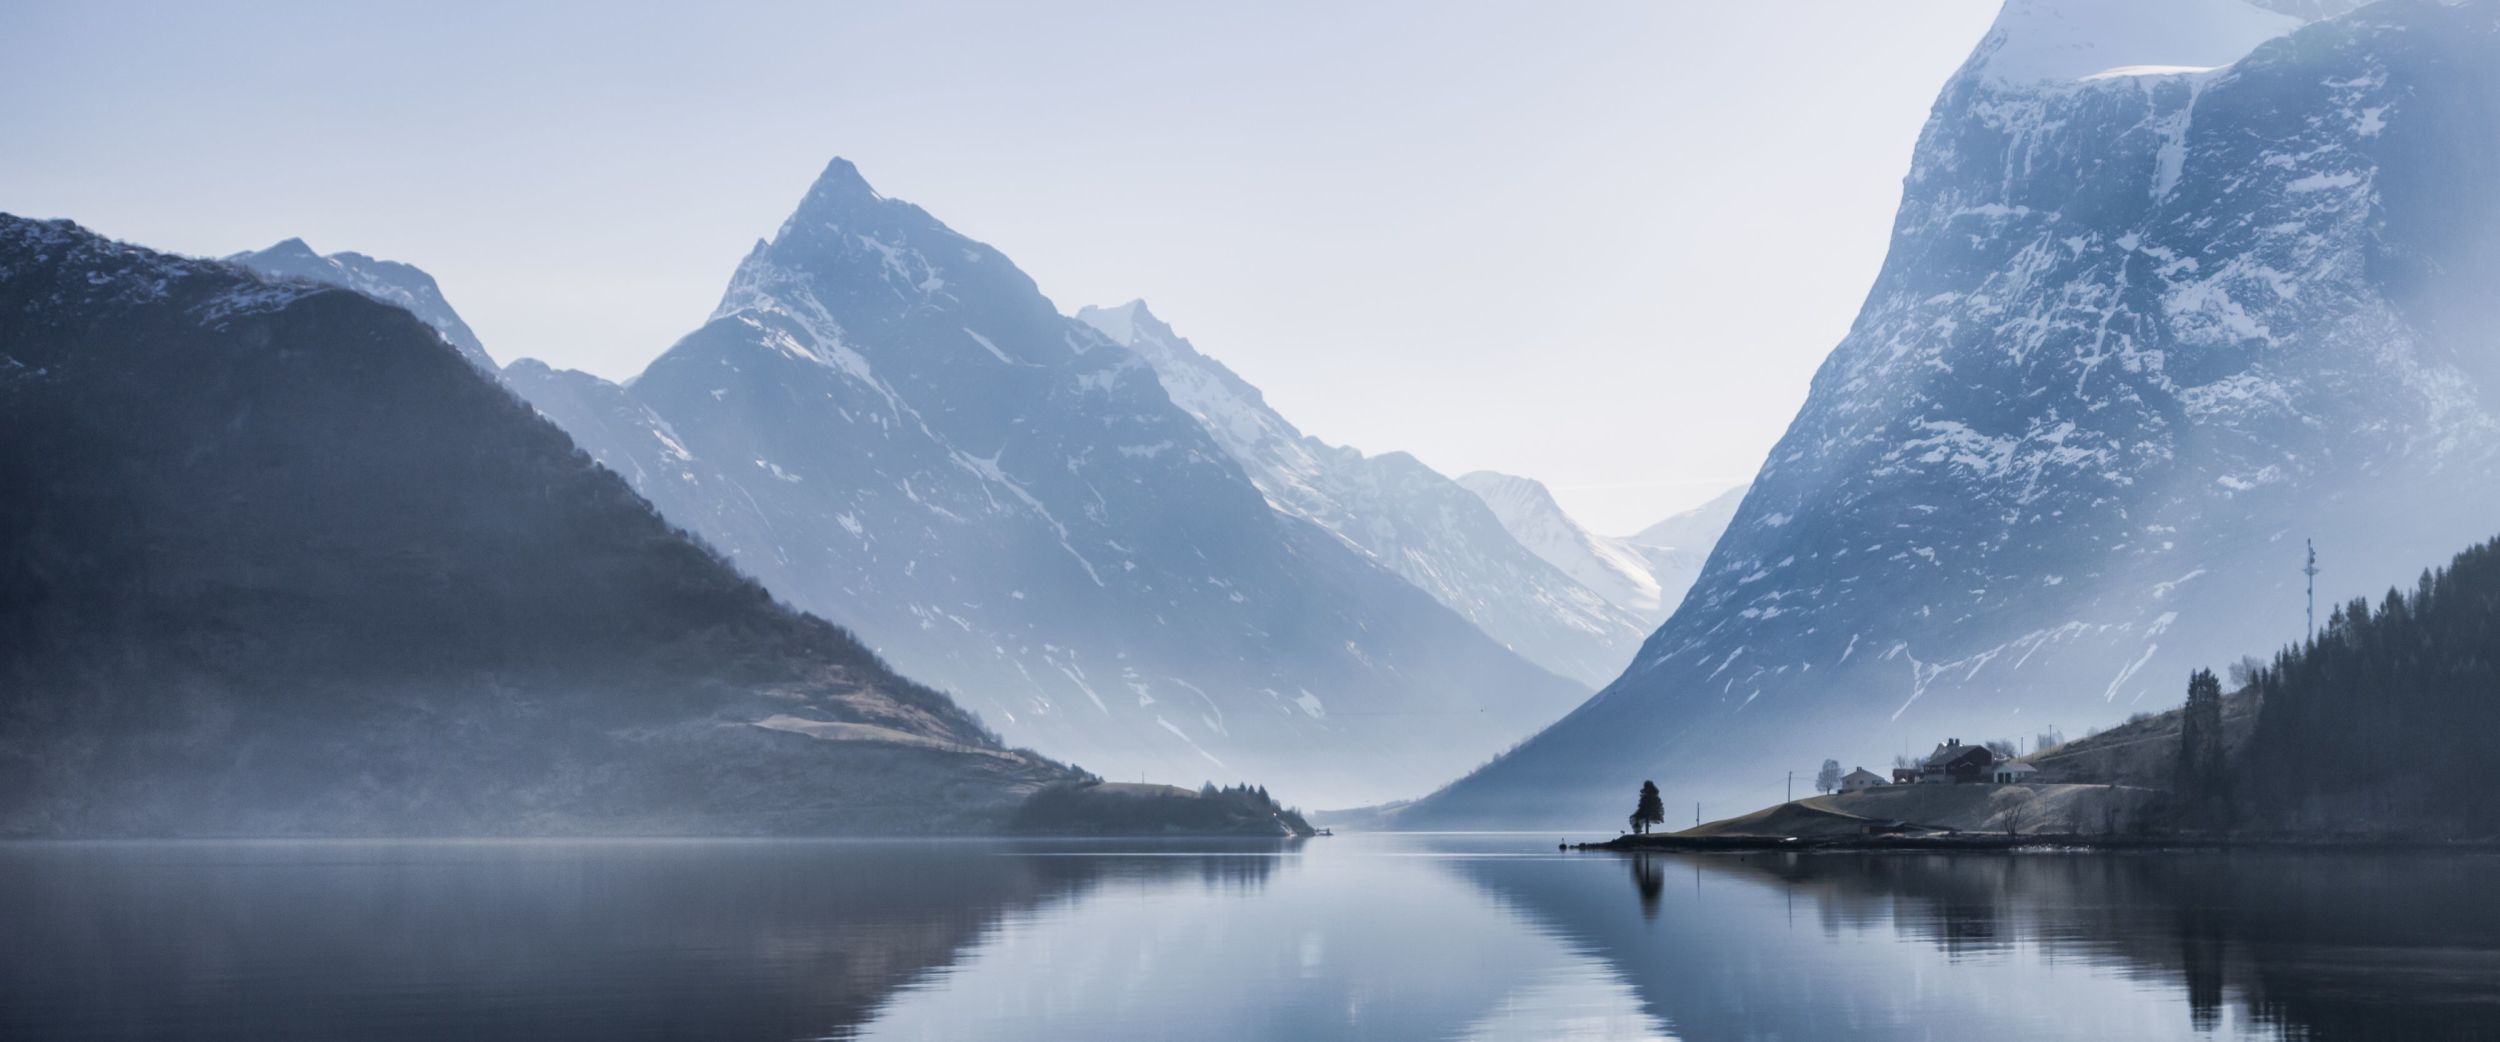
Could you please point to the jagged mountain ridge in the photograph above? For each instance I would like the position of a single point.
(277, 560)
(888, 423)
(1392, 508)
(391, 282)
(2138, 336)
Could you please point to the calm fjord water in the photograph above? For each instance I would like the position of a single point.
(1373, 937)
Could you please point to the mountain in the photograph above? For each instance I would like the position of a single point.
(1644, 578)
(277, 560)
(888, 423)
(1695, 530)
(390, 282)
(1403, 515)
(1677, 547)
(2141, 331)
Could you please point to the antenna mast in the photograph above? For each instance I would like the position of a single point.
(2312, 572)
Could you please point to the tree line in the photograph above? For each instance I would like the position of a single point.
(2381, 722)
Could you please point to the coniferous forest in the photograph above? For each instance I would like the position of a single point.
(2383, 722)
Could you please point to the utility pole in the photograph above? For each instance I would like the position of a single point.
(1696, 813)
(2312, 572)
(1792, 786)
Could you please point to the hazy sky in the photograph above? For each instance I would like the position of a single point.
(1601, 244)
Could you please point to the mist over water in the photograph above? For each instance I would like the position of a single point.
(1418, 937)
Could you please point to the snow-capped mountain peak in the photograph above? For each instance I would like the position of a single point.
(1118, 322)
(292, 249)
(390, 282)
(889, 425)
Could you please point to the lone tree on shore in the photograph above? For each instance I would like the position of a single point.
(1827, 780)
(1650, 810)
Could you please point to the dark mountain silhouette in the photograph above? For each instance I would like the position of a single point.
(275, 560)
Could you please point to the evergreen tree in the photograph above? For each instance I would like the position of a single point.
(2201, 768)
(1650, 810)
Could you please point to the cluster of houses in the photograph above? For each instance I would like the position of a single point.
(1951, 762)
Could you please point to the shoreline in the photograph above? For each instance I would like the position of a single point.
(1997, 842)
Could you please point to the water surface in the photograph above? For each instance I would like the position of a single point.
(1354, 937)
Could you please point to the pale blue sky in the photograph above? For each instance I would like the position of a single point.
(1601, 244)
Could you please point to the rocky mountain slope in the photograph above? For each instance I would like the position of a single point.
(1392, 508)
(889, 424)
(2143, 329)
(275, 560)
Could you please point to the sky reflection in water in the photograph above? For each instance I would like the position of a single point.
(1359, 937)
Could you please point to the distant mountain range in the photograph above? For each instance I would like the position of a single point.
(278, 559)
(1394, 514)
(2175, 285)
(1404, 516)
(887, 423)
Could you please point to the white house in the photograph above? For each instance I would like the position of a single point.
(2011, 772)
(1860, 779)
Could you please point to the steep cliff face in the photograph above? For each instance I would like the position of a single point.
(2142, 331)
(275, 560)
(888, 424)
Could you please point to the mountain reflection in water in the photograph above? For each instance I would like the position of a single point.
(1391, 937)
(2259, 945)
